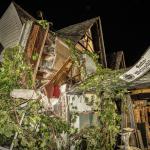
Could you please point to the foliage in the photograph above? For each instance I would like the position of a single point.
(40, 129)
(35, 56)
(105, 83)
(43, 23)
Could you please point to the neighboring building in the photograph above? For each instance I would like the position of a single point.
(138, 77)
(11, 24)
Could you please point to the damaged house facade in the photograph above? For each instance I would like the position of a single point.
(54, 73)
(50, 57)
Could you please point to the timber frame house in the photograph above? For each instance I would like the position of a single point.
(53, 63)
(86, 35)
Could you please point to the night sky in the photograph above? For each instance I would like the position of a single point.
(125, 23)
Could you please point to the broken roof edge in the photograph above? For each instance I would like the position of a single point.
(61, 32)
(7, 9)
(87, 20)
(19, 8)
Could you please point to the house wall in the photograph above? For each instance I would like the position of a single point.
(86, 117)
(10, 27)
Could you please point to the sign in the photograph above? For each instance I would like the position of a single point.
(139, 69)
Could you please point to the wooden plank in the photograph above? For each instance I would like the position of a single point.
(131, 118)
(57, 76)
(146, 114)
(31, 40)
(40, 54)
(142, 114)
(138, 91)
(63, 75)
(137, 115)
(53, 79)
(130, 110)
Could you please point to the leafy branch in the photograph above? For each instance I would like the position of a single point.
(39, 129)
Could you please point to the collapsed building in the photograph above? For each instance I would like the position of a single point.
(54, 74)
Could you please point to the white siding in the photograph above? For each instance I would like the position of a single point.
(10, 27)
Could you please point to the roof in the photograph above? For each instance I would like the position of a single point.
(11, 23)
(23, 15)
(77, 31)
(10, 27)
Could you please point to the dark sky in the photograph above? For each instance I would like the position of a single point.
(125, 23)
